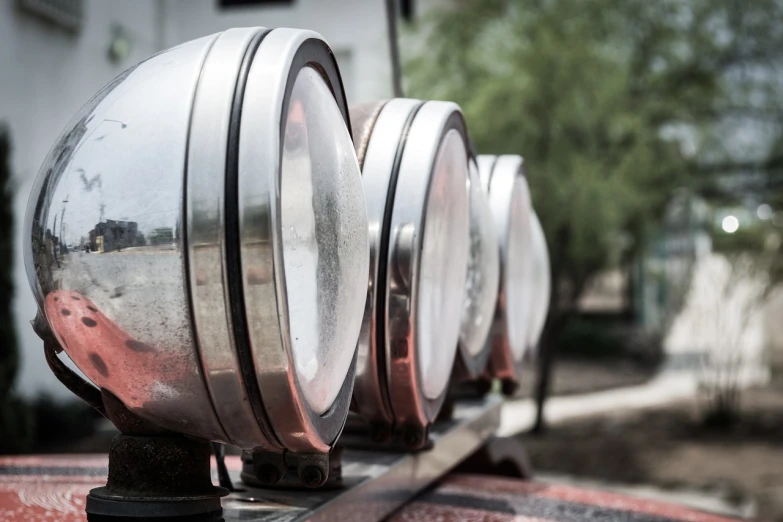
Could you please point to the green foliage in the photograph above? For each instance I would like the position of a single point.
(745, 239)
(594, 95)
(583, 338)
(609, 337)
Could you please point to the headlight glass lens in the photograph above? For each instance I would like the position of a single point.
(442, 282)
(324, 239)
(518, 274)
(542, 279)
(481, 285)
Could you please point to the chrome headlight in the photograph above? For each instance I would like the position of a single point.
(217, 187)
(414, 158)
(509, 196)
(481, 284)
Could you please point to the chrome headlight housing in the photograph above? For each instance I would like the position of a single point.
(219, 183)
(415, 171)
(503, 178)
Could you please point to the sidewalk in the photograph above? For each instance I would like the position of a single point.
(519, 415)
(670, 386)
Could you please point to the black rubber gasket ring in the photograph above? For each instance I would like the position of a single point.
(233, 260)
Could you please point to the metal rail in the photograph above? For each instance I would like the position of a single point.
(376, 482)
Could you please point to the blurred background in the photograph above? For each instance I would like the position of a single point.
(652, 137)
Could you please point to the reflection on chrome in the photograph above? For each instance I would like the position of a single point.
(105, 227)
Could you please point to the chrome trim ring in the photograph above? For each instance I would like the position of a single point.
(283, 53)
(509, 198)
(206, 242)
(431, 127)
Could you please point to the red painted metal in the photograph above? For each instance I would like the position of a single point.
(115, 360)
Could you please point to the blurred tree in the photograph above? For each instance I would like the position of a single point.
(608, 101)
(15, 418)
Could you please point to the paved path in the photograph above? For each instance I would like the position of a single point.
(519, 415)
(670, 386)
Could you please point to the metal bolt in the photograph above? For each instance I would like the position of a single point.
(268, 474)
(413, 437)
(312, 477)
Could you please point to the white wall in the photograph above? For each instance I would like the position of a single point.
(355, 29)
(47, 73)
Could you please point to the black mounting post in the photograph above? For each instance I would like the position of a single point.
(157, 478)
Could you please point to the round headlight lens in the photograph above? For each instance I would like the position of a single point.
(518, 275)
(320, 221)
(542, 278)
(481, 285)
(442, 282)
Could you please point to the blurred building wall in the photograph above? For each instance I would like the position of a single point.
(355, 29)
(48, 72)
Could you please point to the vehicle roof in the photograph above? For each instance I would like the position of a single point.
(54, 487)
